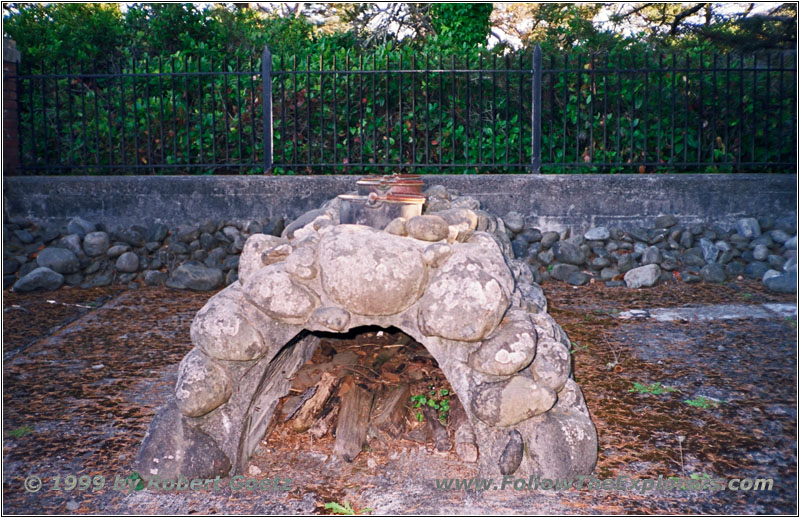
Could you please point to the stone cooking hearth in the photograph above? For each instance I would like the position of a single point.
(446, 278)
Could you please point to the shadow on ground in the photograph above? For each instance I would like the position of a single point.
(85, 370)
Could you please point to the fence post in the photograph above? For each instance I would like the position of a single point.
(536, 110)
(11, 141)
(266, 103)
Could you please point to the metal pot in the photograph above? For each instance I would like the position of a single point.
(394, 184)
(377, 211)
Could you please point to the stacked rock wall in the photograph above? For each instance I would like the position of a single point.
(443, 279)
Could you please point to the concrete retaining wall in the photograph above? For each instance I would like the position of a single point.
(558, 201)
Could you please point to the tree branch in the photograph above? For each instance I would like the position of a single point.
(682, 15)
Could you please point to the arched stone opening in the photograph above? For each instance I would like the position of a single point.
(448, 285)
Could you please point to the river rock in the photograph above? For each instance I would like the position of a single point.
(508, 350)
(370, 272)
(509, 402)
(196, 277)
(427, 228)
(59, 260)
(782, 283)
(80, 226)
(552, 365)
(127, 263)
(203, 384)
(597, 234)
(644, 276)
(748, 227)
(222, 331)
(41, 278)
(274, 292)
(568, 252)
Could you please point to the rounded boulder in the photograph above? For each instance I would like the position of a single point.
(369, 272)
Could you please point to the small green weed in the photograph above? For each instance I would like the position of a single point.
(792, 322)
(746, 295)
(440, 402)
(19, 432)
(653, 388)
(700, 476)
(338, 508)
(701, 402)
(577, 347)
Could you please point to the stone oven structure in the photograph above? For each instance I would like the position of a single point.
(446, 278)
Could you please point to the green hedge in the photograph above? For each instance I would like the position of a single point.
(606, 112)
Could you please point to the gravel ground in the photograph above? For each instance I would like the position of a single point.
(85, 371)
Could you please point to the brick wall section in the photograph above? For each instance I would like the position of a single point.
(11, 58)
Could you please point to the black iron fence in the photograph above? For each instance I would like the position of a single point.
(369, 114)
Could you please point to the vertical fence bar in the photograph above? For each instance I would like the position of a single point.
(686, 67)
(441, 107)
(135, 111)
(282, 77)
(400, 108)
(224, 100)
(467, 121)
(202, 156)
(741, 113)
(659, 103)
(753, 101)
(308, 109)
(335, 112)
(361, 109)
(322, 110)
(32, 115)
(83, 117)
(765, 109)
(386, 110)
(175, 115)
(508, 102)
(427, 112)
(147, 107)
(374, 101)
(672, 114)
(110, 126)
(700, 111)
(494, 104)
(413, 109)
(96, 119)
(161, 106)
(605, 110)
(453, 105)
(295, 108)
(727, 145)
(619, 109)
(480, 108)
(347, 136)
(520, 111)
(591, 109)
(564, 118)
(552, 116)
(69, 121)
(578, 101)
(122, 109)
(58, 120)
(266, 103)
(646, 111)
(632, 117)
(780, 109)
(714, 108)
(251, 71)
(536, 111)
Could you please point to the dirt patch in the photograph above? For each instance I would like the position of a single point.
(64, 414)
